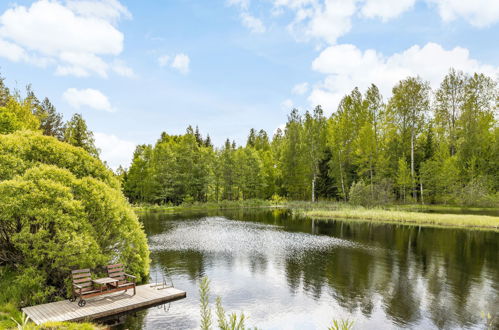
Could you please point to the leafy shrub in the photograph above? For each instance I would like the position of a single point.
(66, 215)
(277, 200)
(25, 149)
(364, 194)
(478, 193)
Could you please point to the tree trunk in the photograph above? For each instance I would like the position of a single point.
(372, 186)
(414, 193)
(422, 199)
(313, 188)
(341, 178)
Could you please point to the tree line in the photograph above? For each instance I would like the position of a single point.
(27, 112)
(420, 145)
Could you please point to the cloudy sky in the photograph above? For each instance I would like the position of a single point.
(137, 68)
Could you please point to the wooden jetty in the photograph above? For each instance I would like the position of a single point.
(103, 306)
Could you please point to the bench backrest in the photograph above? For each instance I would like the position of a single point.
(117, 272)
(83, 278)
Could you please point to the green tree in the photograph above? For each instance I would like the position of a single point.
(77, 133)
(477, 123)
(50, 120)
(404, 179)
(409, 103)
(314, 136)
(449, 102)
(4, 92)
(139, 185)
(16, 115)
(292, 162)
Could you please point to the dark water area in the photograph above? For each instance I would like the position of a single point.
(287, 272)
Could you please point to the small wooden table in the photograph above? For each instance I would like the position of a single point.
(105, 282)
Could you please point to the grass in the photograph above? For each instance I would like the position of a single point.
(222, 205)
(403, 217)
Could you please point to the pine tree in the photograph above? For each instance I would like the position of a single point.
(50, 120)
(77, 134)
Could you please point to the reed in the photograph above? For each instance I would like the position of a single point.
(403, 217)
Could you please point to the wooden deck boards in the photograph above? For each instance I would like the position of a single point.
(102, 306)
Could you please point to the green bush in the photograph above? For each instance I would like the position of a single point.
(478, 193)
(364, 194)
(25, 149)
(66, 215)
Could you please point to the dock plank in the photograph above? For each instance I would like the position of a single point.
(102, 306)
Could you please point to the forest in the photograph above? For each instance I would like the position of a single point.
(418, 145)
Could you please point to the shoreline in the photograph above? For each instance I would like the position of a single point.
(409, 215)
(405, 218)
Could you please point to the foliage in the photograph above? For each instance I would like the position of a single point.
(76, 133)
(478, 193)
(24, 149)
(413, 147)
(341, 325)
(17, 115)
(204, 294)
(364, 194)
(61, 209)
(54, 222)
(225, 322)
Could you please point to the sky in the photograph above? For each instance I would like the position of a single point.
(134, 69)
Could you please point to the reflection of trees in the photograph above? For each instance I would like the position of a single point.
(192, 263)
(416, 271)
(410, 266)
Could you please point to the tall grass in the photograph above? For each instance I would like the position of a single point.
(403, 217)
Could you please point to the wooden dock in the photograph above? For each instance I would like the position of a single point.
(102, 306)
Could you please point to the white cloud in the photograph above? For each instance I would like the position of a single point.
(386, 9)
(300, 89)
(479, 13)
(12, 51)
(328, 20)
(254, 24)
(331, 20)
(163, 60)
(243, 4)
(122, 69)
(75, 36)
(347, 67)
(181, 63)
(114, 150)
(109, 10)
(287, 104)
(88, 97)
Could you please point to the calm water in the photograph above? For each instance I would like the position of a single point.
(292, 273)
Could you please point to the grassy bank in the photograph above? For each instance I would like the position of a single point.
(412, 214)
(404, 217)
(222, 205)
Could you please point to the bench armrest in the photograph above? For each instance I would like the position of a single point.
(128, 275)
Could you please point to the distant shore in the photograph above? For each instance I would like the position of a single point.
(412, 214)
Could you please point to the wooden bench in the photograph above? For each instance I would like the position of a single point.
(117, 272)
(85, 287)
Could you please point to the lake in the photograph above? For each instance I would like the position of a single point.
(287, 272)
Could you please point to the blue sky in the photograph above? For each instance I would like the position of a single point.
(137, 68)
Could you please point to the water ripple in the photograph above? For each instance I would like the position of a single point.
(221, 236)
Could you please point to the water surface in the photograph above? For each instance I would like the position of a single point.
(287, 272)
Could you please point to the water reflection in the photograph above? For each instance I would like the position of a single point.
(286, 272)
